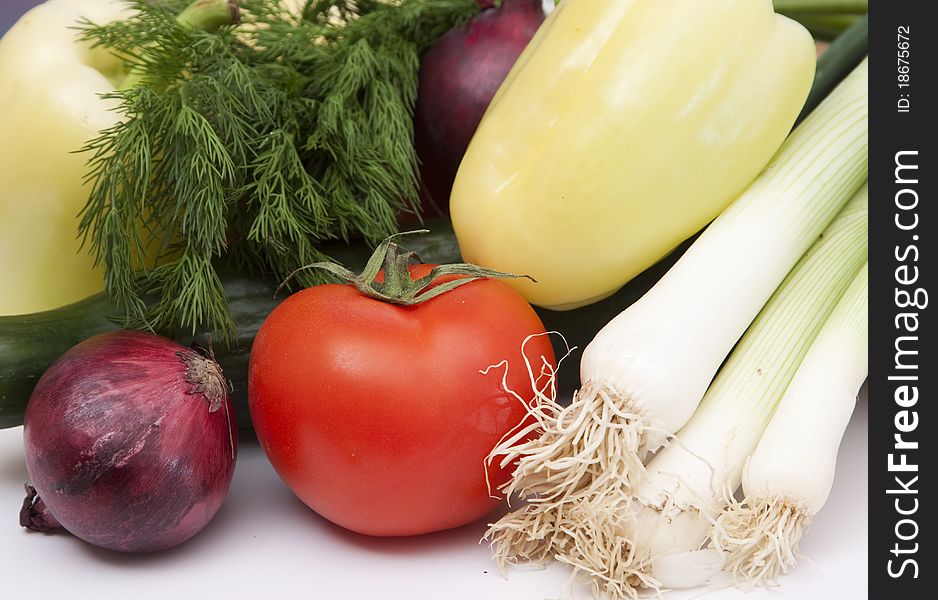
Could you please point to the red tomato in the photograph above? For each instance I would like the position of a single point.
(377, 416)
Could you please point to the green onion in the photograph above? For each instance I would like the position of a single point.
(789, 476)
(651, 536)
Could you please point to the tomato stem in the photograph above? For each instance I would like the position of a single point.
(398, 286)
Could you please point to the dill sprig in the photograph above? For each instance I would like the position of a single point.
(251, 145)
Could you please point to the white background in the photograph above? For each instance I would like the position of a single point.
(266, 544)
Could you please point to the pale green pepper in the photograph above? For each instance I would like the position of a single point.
(624, 127)
(50, 105)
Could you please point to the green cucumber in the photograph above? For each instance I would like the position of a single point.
(30, 343)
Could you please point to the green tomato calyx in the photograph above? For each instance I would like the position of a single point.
(398, 285)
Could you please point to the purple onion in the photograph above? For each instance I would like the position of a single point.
(130, 443)
(459, 76)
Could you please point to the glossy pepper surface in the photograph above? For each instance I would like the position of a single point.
(50, 105)
(625, 127)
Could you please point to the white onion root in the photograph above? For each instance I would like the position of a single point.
(760, 537)
(566, 459)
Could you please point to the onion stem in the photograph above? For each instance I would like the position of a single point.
(621, 536)
(789, 476)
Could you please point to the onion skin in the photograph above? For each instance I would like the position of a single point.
(459, 76)
(130, 442)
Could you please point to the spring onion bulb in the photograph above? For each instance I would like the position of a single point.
(631, 537)
(789, 476)
(645, 373)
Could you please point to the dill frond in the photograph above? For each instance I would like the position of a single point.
(253, 144)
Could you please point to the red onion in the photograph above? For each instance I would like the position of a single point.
(130, 442)
(459, 76)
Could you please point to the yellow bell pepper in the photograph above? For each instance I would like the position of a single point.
(625, 127)
(49, 107)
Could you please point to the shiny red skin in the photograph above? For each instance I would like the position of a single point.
(377, 416)
(121, 451)
(459, 76)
